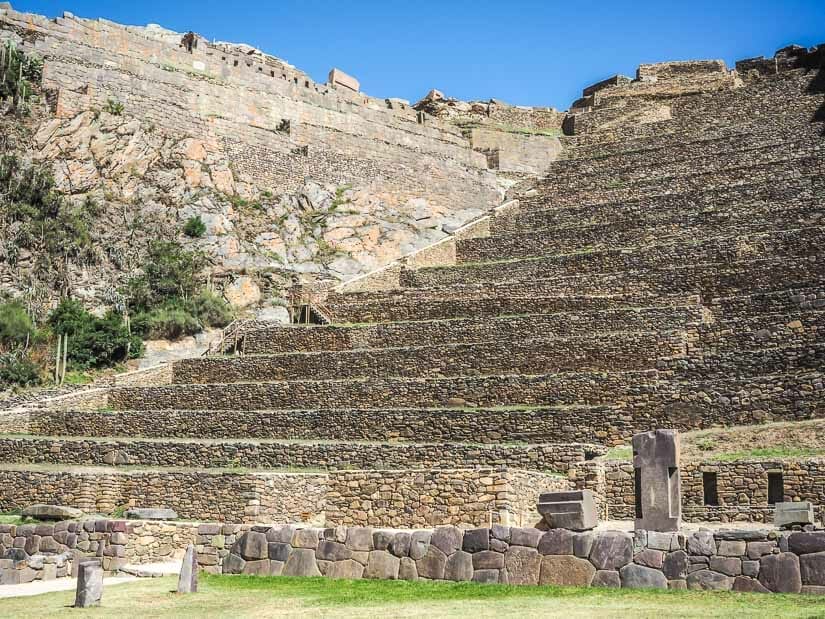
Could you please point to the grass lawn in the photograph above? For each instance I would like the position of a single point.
(244, 596)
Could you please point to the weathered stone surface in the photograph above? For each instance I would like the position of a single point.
(640, 577)
(748, 585)
(649, 558)
(382, 565)
(556, 542)
(89, 585)
(787, 514)
(523, 565)
(730, 566)
(233, 564)
(708, 580)
(757, 550)
(487, 577)
(701, 543)
(730, 548)
(804, 542)
(612, 550)
(305, 538)
(525, 537)
(279, 551)
(188, 577)
(583, 544)
(780, 573)
(573, 509)
(151, 513)
(447, 539)
(607, 578)
(656, 460)
(566, 570)
(301, 562)
(381, 539)
(407, 569)
(332, 551)
(488, 560)
(359, 538)
(419, 543)
(750, 568)
(661, 540)
(476, 540)
(254, 546)
(260, 567)
(347, 569)
(51, 512)
(459, 566)
(812, 568)
(400, 544)
(432, 564)
(675, 565)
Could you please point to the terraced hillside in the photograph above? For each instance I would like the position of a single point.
(666, 273)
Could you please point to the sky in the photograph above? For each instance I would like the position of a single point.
(525, 52)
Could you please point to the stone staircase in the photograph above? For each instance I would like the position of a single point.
(665, 274)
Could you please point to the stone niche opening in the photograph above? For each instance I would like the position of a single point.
(776, 487)
(710, 488)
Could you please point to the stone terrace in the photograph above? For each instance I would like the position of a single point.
(666, 273)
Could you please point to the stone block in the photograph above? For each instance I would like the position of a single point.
(500, 532)
(730, 548)
(780, 573)
(730, 566)
(447, 539)
(188, 577)
(89, 585)
(640, 577)
(486, 577)
(649, 558)
(419, 543)
(660, 541)
(756, 550)
(253, 546)
(332, 551)
(574, 510)
(233, 564)
(301, 562)
(528, 537)
(359, 538)
(607, 578)
(476, 540)
(381, 539)
(339, 78)
(750, 568)
(812, 568)
(675, 565)
(151, 513)
(459, 566)
(787, 514)
(407, 569)
(612, 550)
(260, 567)
(347, 569)
(556, 542)
(488, 560)
(305, 538)
(804, 542)
(658, 480)
(744, 584)
(566, 570)
(583, 544)
(432, 564)
(701, 543)
(707, 580)
(400, 544)
(209, 529)
(382, 565)
(523, 565)
(51, 512)
(278, 551)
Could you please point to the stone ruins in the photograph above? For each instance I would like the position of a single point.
(648, 262)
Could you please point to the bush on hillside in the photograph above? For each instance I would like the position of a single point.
(18, 370)
(194, 227)
(16, 326)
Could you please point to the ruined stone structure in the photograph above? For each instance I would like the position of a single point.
(665, 272)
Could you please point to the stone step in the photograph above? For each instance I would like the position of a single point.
(454, 424)
(280, 338)
(643, 227)
(763, 198)
(710, 363)
(270, 455)
(508, 355)
(632, 388)
(793, 243)
(752, 332)
(769, 168)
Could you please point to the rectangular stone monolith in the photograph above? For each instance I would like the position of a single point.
(574, 510)
(658, 486)
(188, 578)
(792, 513)
(89, 585)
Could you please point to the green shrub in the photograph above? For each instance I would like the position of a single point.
(211, 309)
(18, 370)
(171, 272)
(168, 323)
(19, 72)
(16, 325)
(194, 227)
(94, 342)
(114, 107)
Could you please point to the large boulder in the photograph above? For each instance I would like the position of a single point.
(253, 546)
(301, 562)
(566, 570)
(780, 573)
(382, 565)
(612, 550)
(523, 565)
(432, 564)
(640, 577)
(708, 580)
(459, 566)
(812, 568)
(51, 512)
(803, 543)
(188, 577)
(89, 585)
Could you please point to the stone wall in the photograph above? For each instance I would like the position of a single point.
(282, 455)
(409, 498)
(746, 560)
(742, 487)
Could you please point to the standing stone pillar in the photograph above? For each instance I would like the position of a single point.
(658, 484)
(89, 585)
(188, 579)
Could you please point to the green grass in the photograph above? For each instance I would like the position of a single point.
(243, 596)
(770, 452)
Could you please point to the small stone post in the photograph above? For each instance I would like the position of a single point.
(188, 579)
(658, 486)
(89, 585)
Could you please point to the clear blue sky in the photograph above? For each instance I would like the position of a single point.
(527, 52)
